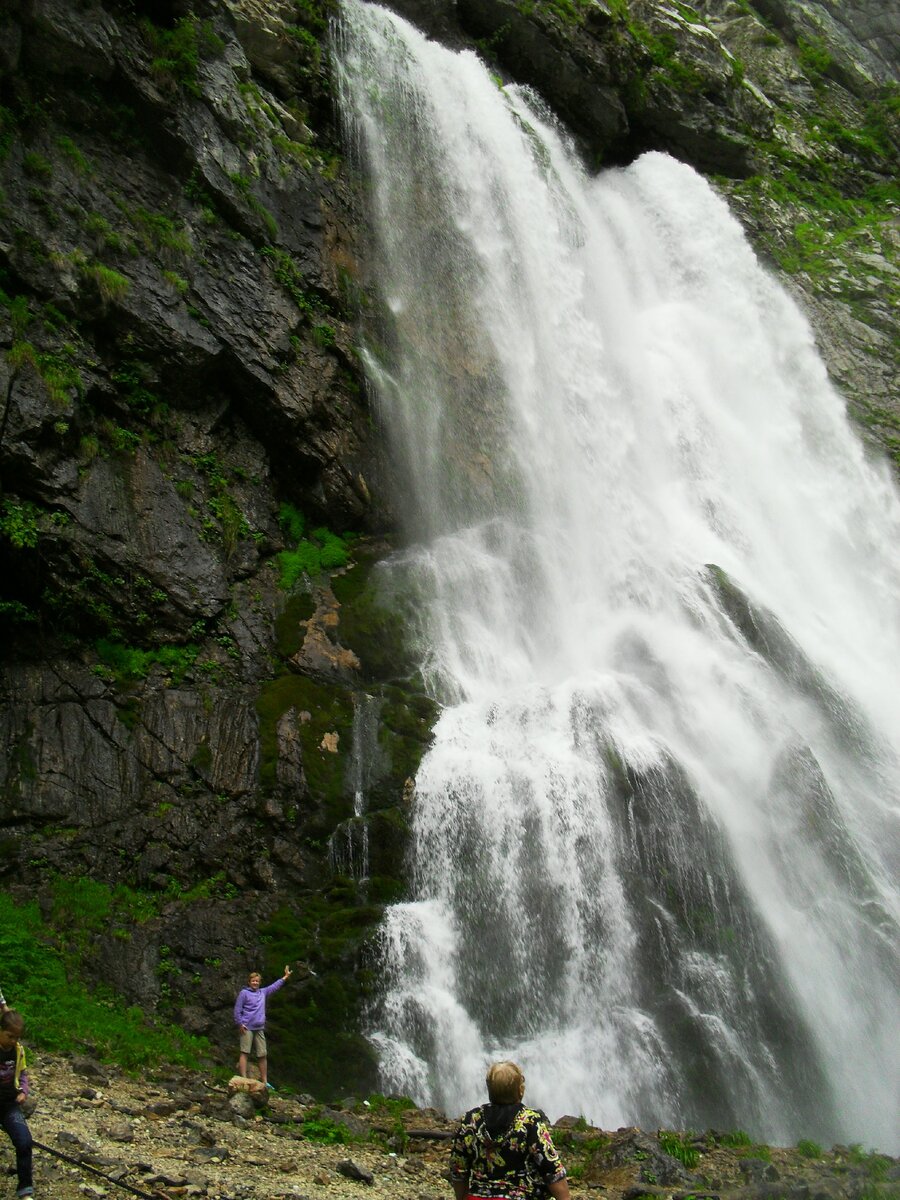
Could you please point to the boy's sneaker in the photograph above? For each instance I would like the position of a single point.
(271, 1087)
(25, 1191)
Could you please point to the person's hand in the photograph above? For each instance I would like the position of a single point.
(287, 970)
(243, 1028)
(20, 1098)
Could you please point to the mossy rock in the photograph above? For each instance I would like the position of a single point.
(320, 1049)
(288, 632)
(406, 722)
(376, 622)
(324, 724)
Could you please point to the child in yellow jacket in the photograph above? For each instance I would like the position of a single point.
(13, 1090)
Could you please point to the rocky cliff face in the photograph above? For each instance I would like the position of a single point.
(185, 440)
(198, 668)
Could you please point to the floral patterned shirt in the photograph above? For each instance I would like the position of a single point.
(513, 1162)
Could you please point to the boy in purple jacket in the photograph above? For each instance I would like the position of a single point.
(250, 1018)
(13, 1090)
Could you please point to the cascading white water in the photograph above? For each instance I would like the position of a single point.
(655, 840)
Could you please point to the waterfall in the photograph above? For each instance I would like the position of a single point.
(655, 851)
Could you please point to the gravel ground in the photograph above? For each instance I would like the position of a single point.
(175, 1133)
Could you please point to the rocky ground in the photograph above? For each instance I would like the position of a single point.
(176, 1133)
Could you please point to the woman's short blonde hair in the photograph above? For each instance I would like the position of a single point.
(505, 1083)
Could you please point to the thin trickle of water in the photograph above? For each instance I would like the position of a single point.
(655, 840)
(349, 845)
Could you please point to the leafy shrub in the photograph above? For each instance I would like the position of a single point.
(19, 524)
(322, 1129)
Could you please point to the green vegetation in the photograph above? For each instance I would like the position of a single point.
(109, 283)
(390, 1106)
(662, 51)
(177, 51)
(131, 379)
(36, 165)
(56, 367)
(327, 930)
(814, 57)
(736, 1137)
(570, 12)
(377, 624)
(159, 232)
(679, 1147)
(61, 1014)
(833, 222)
(291, 279)
(58, 373)
(316, 1128)
(180, 285)
(809, 1149)
(309, 32)
(887, 424)
(225, 521)
(875, 1165)
(103, 233)
(126, 664)
(19, 523)
(8, 131)
(74, 155)
(321, 551)
(329, 711)
(22, 522)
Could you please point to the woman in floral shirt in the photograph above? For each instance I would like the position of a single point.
(503, 1150)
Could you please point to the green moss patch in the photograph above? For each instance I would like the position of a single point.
(319, 1049)
(404, 734)
(375, 624)
(330, 711)
(288, 632)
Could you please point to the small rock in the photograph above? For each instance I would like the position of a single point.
(72, 1142)
(90, 1068)
(242, 1105)
(352, 1170)
(164, 1108)
(759, 1168)
(121, 1132)
(211, 1154)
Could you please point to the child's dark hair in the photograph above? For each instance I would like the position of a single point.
(12, 1022)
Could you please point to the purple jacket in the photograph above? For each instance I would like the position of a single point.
(250, 1006)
